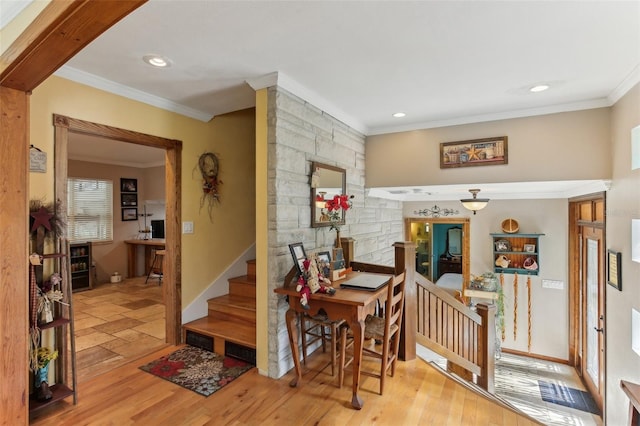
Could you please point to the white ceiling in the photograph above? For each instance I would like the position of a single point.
(440, 62)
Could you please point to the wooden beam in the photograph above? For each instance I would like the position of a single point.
(14, 251)
(62, 29)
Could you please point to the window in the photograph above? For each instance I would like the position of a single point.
(90, 209)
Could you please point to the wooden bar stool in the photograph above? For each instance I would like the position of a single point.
(320, 328)
(156, 266)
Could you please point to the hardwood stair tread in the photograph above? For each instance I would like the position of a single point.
(245, 279)
(232, 301)
(237, 332)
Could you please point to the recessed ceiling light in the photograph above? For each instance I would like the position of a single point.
(399, 114)
(157, 61)
(539, 88)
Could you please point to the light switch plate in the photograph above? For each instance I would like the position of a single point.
(554, 284)
(187, 227)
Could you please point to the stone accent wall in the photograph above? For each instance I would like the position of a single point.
(298, 134)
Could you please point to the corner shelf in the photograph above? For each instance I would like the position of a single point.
(516, 257)
(64, 334)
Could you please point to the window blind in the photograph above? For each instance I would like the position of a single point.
(90, 209)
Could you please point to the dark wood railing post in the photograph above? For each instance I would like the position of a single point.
(487, 347)
(405, 260)
(347, 249)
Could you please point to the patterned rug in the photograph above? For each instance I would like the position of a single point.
(198, 370)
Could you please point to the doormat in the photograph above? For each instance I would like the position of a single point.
(567, 397)
(198, 370)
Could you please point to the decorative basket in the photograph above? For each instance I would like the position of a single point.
(510, 226)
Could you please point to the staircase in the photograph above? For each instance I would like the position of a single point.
(230, 326)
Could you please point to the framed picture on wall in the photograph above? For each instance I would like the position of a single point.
(128, 185)
(129, 200)
(614, 270)
(129, 213)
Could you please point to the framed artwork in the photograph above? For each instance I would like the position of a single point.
(129, 200)
(128, 185)
(502, 245)
(614, 269)
(476, 152)
(324, 263)
(338, 259)
(129, 213)
(298, 255)
(530, 248)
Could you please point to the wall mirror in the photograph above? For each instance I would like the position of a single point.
(454, 241)
(326, 182)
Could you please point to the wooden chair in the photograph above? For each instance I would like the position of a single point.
(385, 329)
(320, 328)
(156, 266)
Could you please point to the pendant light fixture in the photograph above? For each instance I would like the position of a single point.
(474, 204)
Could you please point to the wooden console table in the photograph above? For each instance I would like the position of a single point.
(351, 305)
(149, 245)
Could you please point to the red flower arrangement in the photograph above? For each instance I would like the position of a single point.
(335, 205)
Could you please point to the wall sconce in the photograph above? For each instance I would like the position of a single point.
(474, 204)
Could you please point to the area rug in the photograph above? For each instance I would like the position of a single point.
(567, 397)
(198, 370)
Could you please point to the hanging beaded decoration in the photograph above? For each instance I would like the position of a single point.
(515, 306)
(502, 328)
(208, 165)
(529, 313)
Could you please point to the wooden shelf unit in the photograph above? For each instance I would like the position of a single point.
(64, 337)
(516, 253)
(81, 261)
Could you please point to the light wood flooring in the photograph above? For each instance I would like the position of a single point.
(418, 394)
(117, 323)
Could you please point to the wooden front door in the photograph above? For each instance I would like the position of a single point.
(587, 250)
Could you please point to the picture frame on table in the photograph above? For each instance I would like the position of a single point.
(324, 263)
(529, 248)
(476, 152)
(299, 256)
(614, 269)
(128, 185)
(129, 214)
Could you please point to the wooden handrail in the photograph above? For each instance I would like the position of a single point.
(452, 330)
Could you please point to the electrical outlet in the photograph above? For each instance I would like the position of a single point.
(554, 284)
(187, 227)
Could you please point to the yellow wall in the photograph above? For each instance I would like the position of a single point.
(216, 242)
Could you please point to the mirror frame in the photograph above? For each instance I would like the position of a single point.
(458, 231)
(315, 223)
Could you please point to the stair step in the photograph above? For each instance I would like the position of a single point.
(237, 332)
(231, 306)
(244, 285)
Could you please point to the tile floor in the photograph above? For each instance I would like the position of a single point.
(516, 382)
(116, 323)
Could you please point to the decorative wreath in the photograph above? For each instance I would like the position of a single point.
(209, 166)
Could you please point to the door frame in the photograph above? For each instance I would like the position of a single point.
(465, 222)
(173, 194)
(586, 211)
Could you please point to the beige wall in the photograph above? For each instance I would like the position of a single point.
(623, 204)
(112, 257)
(572, 145)
(217, 240)
(549, 307)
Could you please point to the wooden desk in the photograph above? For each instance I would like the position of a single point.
(350, 305)
(132, 245)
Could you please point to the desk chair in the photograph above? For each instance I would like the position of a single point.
(155, 269)
(320, 328)
(385, 329)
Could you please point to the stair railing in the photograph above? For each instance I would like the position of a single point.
(449, 328)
